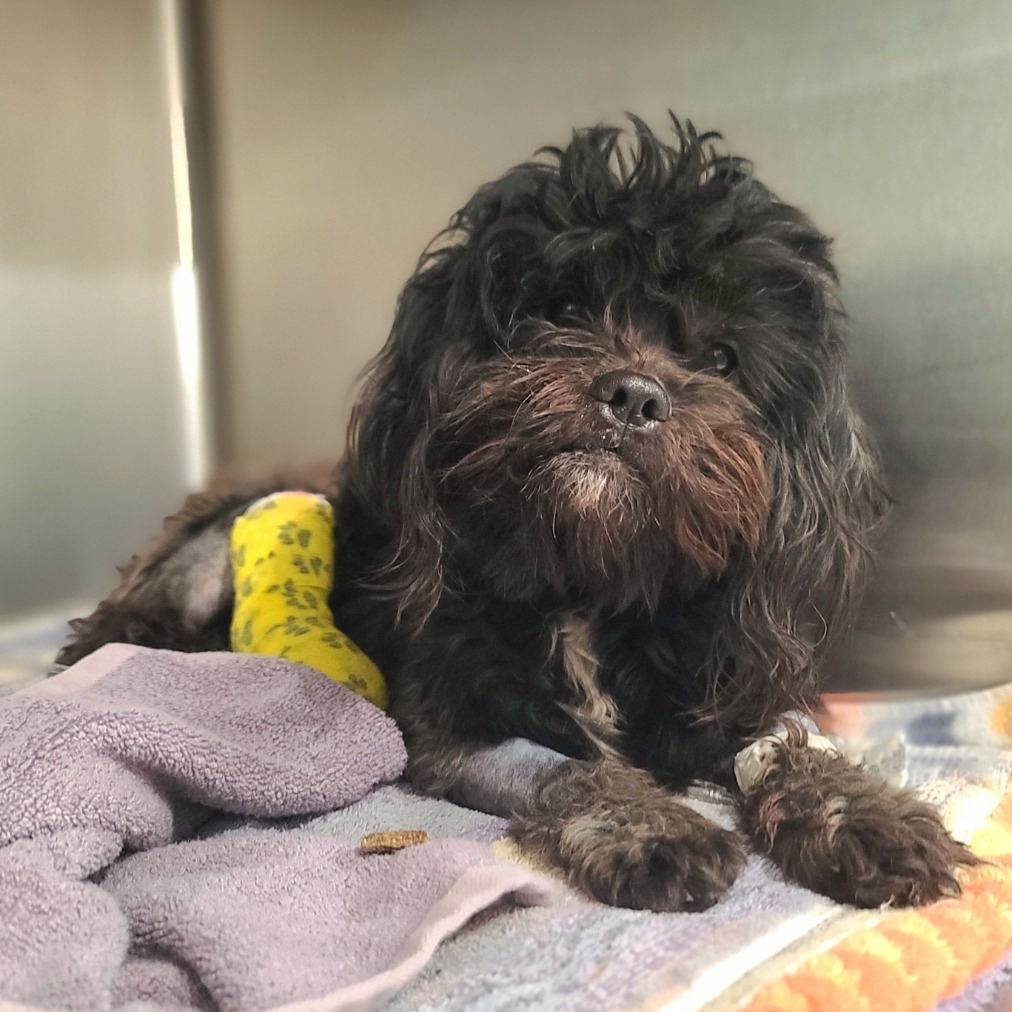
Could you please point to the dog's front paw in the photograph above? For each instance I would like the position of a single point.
(624, 840)
(842, 832)
(620, 860)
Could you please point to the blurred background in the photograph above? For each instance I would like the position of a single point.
(207, 210)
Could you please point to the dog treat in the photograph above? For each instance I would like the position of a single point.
(282, 567)
(391, 840)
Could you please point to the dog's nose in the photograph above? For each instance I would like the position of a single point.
(631, 398)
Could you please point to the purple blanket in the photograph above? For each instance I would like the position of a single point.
(109, 768)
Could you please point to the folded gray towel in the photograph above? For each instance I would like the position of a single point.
(306, 915)
(106, 767)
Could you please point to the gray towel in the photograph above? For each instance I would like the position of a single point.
(107, 767)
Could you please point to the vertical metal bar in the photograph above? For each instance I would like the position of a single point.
(192, 277)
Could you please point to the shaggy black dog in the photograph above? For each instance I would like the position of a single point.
(605, 491)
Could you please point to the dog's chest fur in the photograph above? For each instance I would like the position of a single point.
(578, 682)
(574, 678)
(592, 707)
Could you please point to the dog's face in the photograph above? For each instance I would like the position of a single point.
(616, 381)
(592, 463)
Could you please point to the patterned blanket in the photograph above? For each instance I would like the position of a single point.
(769, 946)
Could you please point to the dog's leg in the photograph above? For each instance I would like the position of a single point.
(625, 840)
(501, 779)
(840, 831)
(178, 595)
(613, 830)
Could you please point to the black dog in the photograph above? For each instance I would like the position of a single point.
(605, 491)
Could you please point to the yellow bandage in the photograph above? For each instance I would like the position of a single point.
(282, 567)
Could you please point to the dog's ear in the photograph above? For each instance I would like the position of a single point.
(783, 605)
(787, 602)
(460, 304)
(389, 437)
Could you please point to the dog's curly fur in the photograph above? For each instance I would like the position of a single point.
(605, 490)
(831, 827)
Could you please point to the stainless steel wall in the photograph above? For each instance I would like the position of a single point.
(96, 442)
(349, 132)
(346, 133)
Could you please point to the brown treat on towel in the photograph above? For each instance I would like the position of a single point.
(394, 839)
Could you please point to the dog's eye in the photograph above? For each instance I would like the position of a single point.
(721, 359)
(562, 310)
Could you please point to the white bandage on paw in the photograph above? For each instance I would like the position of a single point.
(752, 762)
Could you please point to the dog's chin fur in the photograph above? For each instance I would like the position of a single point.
(524, 558)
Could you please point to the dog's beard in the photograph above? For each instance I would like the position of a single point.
(546, 494)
